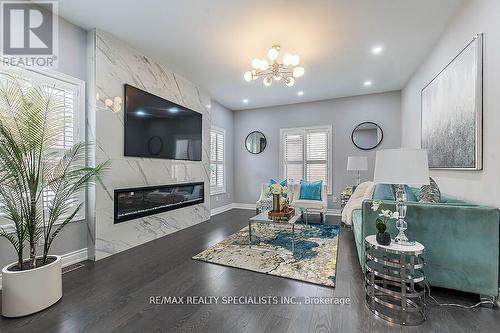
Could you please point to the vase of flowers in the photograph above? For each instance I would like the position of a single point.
(277, 191)
(383, 237)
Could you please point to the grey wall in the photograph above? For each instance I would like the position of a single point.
(342, 113)
(476, 16)
(223, 118)
(72, 48)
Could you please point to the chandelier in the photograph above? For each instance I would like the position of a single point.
(274, 70)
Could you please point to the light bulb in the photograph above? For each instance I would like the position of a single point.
(295, 60)
(263, 65)
(272, 54)
(254, 74)
(248, 76)
(287, 59)
(256, 63)
(97, 97)
(277, 77)
(298, 71)
(108, 102)
(267, 81)
(290, 82)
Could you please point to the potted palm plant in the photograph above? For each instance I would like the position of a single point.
(31, 123)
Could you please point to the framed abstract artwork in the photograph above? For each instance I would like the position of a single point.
(451, 114)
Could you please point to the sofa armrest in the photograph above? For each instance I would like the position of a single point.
(461, 242)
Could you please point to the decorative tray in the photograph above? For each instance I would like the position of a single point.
(281, 215)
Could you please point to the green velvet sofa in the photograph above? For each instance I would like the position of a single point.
(461, 241)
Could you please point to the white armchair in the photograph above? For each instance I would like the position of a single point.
(310, 206)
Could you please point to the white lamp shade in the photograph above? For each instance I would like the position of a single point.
(402, 166)
(357, 163)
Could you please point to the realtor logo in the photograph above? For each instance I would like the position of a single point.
(29, 33)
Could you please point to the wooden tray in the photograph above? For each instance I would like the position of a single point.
(282, 216)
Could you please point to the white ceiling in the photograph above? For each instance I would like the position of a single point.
(212, 42)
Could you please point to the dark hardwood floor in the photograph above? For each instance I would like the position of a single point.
(113, 295)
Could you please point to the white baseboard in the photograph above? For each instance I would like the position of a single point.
(235, 205)
(243, 206)
(230, 206)
(67, 259)
(334, 212)
(221, 209)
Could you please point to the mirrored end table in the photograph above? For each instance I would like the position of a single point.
(395, 282)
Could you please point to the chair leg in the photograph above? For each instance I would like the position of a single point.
(257, 211)
(322, 217)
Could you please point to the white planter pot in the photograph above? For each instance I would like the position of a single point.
(30, 291)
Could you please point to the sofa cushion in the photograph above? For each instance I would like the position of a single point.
(310, 190)
(383, 192)
(387, 192)
(309, 204)
(410, 194)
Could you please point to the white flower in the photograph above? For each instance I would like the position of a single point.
(386, 213)
(375, 205)
(276, 189)
(395, 215)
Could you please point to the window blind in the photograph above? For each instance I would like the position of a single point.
(306, 154)
(217, 179)
(67, 95)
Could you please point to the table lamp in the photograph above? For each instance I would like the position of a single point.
(357, 163)
(401, 167)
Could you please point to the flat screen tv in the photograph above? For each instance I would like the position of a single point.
(157, 128)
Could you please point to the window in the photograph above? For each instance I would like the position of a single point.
(70, 92)
(217, 172)
(306, 154)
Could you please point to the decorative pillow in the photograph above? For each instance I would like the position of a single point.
(310, 190)
(282, 183)
(430, 193)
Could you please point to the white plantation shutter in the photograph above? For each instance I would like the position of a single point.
(293, 156)
(69, 92)
(217, 162)
(305, 154)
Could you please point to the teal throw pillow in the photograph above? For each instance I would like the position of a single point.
(310, 190)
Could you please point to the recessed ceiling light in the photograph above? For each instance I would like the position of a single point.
(173, 110)
(208, 106)
(368, 83)
(140, 113)
(377, 49)
(300, 93)
(245, 101)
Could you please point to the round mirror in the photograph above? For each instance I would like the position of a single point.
(255, 142)
(367, 135)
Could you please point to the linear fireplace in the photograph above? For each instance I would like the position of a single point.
(132, 203)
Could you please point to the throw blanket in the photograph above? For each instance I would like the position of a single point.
(363, 191)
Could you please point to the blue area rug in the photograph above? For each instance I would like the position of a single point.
(314, 257)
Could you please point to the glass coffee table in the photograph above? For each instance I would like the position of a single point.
(264, 219)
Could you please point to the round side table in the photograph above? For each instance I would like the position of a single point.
(395, 282)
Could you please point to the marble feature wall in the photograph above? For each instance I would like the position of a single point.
(117, 63)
